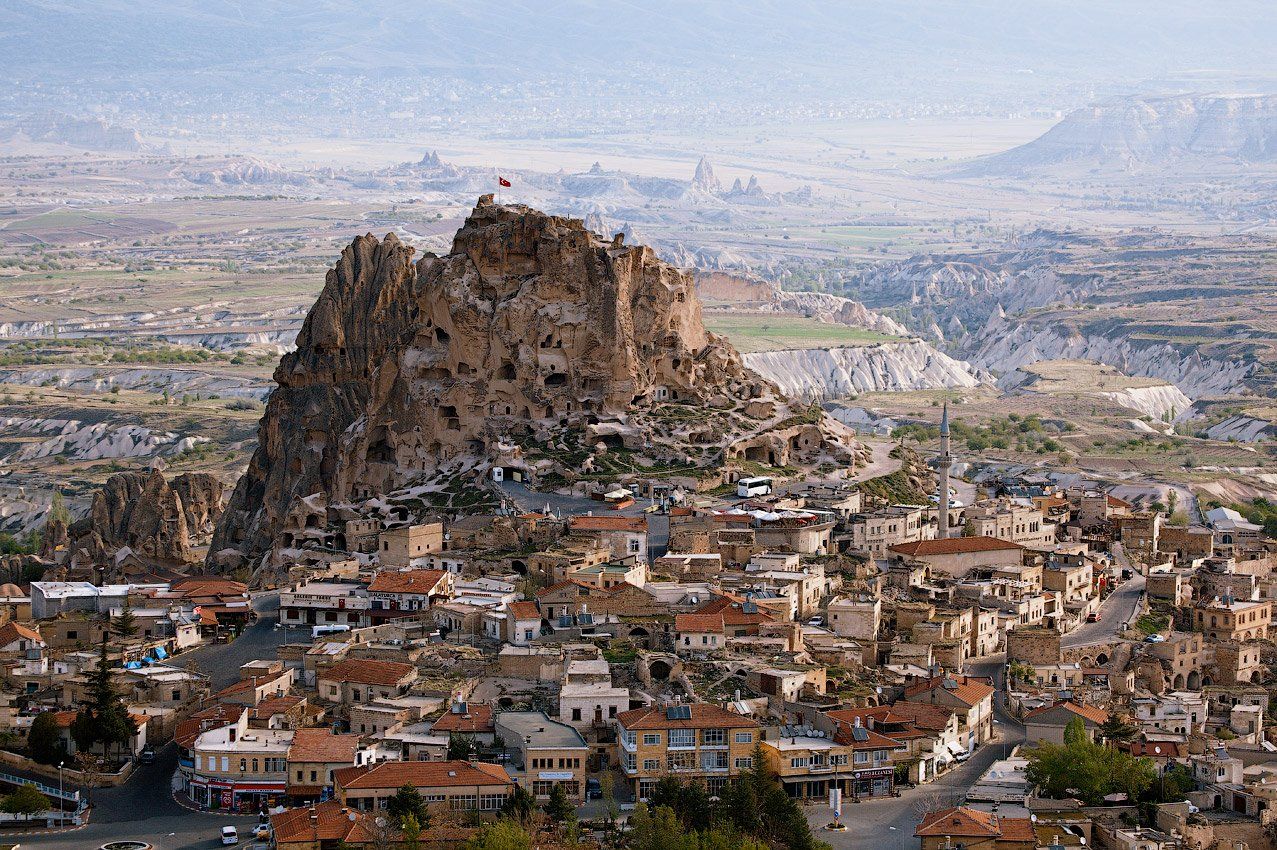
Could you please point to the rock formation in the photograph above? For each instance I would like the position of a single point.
(535, 348)
(828, 373)
(1149, 130)
(704, 178)
(158, 520)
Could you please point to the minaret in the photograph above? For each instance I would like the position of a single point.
(943, 462)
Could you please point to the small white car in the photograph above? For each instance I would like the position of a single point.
(230, 835)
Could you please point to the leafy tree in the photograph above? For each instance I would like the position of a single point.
(1084, 769)
(26, 801)
(125, 625)
(406, 803)
(1075, 732)
(411, 833)
(520, 806)
(1116, 728)
(502, 835)
(84, 730)
(461, 747)
(44, 742)
(559, 808)
(58, 509)
(1176, 783)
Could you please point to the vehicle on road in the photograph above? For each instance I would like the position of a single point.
(147, 756)
(320, 631)
(593, 789)
(230, 835)
(262, 833)
(1154, 639)
(757, 486)
(1093, 617)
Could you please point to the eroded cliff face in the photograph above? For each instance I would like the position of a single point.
(159, 520)
(827, 373)
(534, 346)
(1003, 347)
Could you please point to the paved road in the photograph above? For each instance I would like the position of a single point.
(221, 661)
(1116, 611)
(144, 808)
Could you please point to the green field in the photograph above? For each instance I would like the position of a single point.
(750, 333)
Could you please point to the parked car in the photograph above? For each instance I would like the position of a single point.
(1154, 639)
(593, 789)
(147, 756)
(262, 833)
(1093, 617)
(230, 835)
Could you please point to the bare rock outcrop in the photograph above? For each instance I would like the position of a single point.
(534, 347)
(158, 520)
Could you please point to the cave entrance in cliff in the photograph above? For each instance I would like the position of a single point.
(519, 567)
(612, 441)
(659, 670)
(640, 636)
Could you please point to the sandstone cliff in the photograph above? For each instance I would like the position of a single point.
(534, 349)
(158, 520)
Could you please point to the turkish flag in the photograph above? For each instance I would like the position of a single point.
(504, 182)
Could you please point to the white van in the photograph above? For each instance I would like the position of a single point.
(757, 486)
(320, 631)
(230, 835)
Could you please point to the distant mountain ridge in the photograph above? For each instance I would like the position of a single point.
(1148, 130)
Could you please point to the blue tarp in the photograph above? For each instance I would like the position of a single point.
(160, 653)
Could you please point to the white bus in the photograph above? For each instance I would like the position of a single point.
(757, 486)
(320, 631)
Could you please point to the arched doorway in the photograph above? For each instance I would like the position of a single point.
(639, 635)
(1194, 680)
(659, 670)
(1178, 682)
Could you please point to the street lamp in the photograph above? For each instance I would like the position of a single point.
(60, 800)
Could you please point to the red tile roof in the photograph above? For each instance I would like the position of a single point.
(704, 716)
(277, 705)
(407, 581)
(365, 671)
(635, 524)
(321, 745)
(12, 631)
(524, 610)
(871, 740)
(564, 585)
(421, 774)
(953, 546)
(919, 720)
(201, 721)
(1086, 712)
(1159, 749)
(972, 823)
(477, 718)
(334, 824)
(698, 623)
(966, 689)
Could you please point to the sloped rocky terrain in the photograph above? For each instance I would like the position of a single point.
(534, 347)
(1155, 131)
